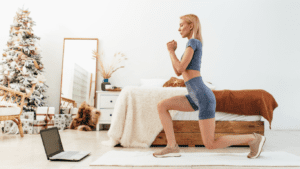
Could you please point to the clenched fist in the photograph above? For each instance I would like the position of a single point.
(172, 46)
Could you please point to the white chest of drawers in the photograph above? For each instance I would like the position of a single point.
(105, 103)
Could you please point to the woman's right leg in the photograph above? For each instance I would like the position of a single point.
(180, 103)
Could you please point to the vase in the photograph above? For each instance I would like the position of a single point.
(105, 82)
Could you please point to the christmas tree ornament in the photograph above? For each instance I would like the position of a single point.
(31, 48)
(41, 79)
(17, 68)
(9, 77)
(26, 82)
(41, 66)
(13, 64)
(8, 59)
(36, 92)
(36, 104)
(13, 85)
(26, 50)
(17, 88)
(24, 70)
(30, 79)
(24, 57)
(38, 51)
(34, 81)
(27, 91)
(36, 64)
(16, 59)
(6, 72)
(40, 85)
(19, 37)
(5, 67)
(12, 73)
(2, 62)
(10, 43)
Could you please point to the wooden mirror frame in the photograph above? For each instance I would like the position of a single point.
(95, 96)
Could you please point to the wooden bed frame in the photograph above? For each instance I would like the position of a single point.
(188, 132)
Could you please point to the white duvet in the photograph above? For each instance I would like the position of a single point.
(135, 120)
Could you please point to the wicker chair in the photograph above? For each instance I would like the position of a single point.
(65, 102)
(15, 116)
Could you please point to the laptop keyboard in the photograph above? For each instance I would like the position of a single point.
(67, 154)
(70, 154)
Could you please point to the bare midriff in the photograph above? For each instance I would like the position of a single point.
(190, 74)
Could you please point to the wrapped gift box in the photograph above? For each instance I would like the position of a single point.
(27, 115)
(27, 125)
(66, 110)
(11, 127)
(62, 121)
(43, 110)
(37, 129)
(39, 123)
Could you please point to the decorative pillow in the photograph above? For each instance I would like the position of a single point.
(153, 82)
(174, 82)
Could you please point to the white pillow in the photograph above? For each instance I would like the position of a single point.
(212, 87)
(153, 82)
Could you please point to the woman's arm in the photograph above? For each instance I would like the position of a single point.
(177, 73)
(175, 62)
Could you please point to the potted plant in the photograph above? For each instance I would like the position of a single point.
(106, 73)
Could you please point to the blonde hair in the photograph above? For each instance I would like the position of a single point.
(191, 18)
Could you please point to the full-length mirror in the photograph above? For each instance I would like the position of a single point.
(79, 75)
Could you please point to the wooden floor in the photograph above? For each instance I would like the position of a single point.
(28, 152)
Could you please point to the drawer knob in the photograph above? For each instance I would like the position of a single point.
(110, 114)
(111, 101)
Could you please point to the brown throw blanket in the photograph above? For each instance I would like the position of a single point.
(246, 102)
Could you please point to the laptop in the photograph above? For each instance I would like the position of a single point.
(54, 149)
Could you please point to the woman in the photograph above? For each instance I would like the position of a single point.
(200, 97)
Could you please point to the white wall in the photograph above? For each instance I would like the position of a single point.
(248, 44)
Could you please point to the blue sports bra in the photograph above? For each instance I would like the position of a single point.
(195, 63)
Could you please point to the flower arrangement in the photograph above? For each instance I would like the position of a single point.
(106, 74)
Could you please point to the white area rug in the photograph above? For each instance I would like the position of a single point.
(137, 158)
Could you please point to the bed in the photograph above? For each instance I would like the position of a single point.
(135, 121)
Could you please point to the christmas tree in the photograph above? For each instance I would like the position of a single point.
(21, 62)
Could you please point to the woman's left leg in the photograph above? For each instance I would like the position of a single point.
(207, 105)
(207, 128)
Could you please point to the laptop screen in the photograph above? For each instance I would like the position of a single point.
(51, 141)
